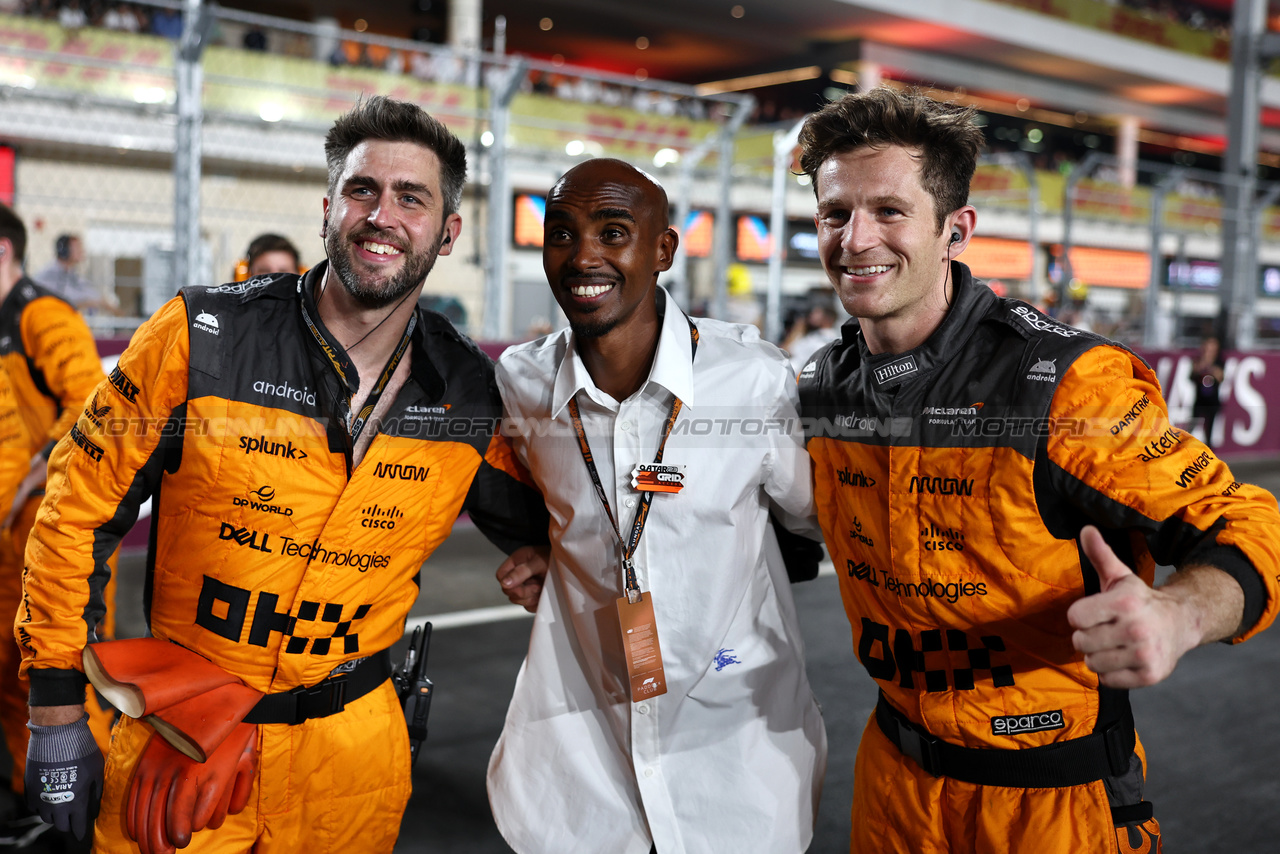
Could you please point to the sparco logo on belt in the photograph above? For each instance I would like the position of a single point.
(1035, 722)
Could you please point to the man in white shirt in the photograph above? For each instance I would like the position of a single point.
(593, 758)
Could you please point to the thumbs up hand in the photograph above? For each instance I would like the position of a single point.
(1131, 634)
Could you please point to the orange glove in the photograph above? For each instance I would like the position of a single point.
(173, 796)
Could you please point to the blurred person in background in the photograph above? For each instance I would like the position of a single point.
(62, 276)
(819, 331)
(996, 489)
(300, 443)
(271, 253)
(49, 368)
(715, 743)
(1207, 374)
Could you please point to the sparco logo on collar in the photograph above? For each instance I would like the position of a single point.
(240, 287)
(206, 322)
(1044, 324)
(1035, 722)
(896, 369)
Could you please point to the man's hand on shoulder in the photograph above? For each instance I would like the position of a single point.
(522, 575)
(1132, 635)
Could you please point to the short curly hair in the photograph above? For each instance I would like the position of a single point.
(945, 134)
(385, 119)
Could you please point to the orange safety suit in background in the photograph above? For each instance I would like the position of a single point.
(272, 555)
(951, 483)
(49, 367)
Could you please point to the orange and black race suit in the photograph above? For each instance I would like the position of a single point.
(951, 483)
(49, 367)
(271, 554)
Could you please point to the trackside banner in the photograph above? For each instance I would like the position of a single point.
(1245, 426)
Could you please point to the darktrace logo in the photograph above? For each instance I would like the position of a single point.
(123, 384)
(380, 517)
(96, 413)
(263, 445)
(941, 485)
(1130, 416)
(855, 479)
(285, 391)
(82, 442)
(862, 571)
(897, 369)
(855, 533)
(1034, 722)
(246, 537)
(1191, 472)
(260, 500)
(401, 471)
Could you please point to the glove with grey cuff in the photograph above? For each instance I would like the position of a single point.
(64, 775)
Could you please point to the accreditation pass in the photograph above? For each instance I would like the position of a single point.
(640, 642)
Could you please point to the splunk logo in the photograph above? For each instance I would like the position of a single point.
(263, 445)
(855, 479)
(285, 391)
(1035, 722)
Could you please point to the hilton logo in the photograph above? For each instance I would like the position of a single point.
(895, 370)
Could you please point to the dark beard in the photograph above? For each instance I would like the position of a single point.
(373, 293)
(593, 328)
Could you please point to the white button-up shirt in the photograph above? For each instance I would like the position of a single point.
(731, 757)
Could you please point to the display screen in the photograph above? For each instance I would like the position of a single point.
(531, 211)
(754, 241)
(1193, 274)
(696, 236)
(802, 242)
(7, 160)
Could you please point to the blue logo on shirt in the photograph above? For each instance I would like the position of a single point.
(724, 658)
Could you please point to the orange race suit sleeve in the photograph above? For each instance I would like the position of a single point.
(15, 458)
(1116, 460)
(63, 359)
(99, 475)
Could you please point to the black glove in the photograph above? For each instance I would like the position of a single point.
(64, 775)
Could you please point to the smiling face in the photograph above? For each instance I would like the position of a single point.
(385, 223)
(880, 243)
(606, 240)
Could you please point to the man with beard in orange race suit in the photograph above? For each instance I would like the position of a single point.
(49, 367)
(310, 441)
(995, 489)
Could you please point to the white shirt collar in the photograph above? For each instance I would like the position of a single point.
(672, 364)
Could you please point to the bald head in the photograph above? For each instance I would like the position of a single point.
(646, 196)
(606, 239)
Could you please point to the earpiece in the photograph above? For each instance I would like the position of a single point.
(324, 229)
(955, 235)
(447, 239)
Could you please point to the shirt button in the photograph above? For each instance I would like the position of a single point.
(625, 425)
(644, 710)
(630, 502)
(648, 772)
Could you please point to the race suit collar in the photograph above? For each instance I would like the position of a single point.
(970, 300)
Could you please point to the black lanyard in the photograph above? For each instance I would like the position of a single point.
(356, 425)
(642, 513)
